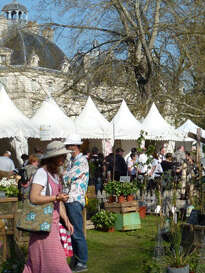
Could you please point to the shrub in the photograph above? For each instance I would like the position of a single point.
(103, 220)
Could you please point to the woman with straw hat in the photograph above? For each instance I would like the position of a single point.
(46, 254)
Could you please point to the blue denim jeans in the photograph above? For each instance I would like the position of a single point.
(80, 250)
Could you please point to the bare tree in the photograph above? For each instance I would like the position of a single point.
(146, 50)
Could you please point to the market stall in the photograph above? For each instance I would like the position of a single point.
(15, 128)
(185, 128)
(126, 128)
(52, 123)
(92, 126)
(158, 129)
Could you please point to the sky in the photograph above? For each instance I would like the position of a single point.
(50, 15)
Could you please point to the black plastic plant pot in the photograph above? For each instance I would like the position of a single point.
(184, 269)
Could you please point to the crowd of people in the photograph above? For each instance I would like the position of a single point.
(137, 165)
(68, 179)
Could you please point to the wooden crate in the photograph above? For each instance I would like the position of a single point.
(8, 208)
(90, 225)
(125, 207)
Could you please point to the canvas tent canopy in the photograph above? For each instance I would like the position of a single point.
(91, 124)
(190, 126)
(125, 125)
(15, 125)
(157, 128)
(51, 116)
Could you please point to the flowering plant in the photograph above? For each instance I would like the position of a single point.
(9, 186)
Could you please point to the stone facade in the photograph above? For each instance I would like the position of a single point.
(29, 84)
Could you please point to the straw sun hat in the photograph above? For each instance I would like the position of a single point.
(54, 149)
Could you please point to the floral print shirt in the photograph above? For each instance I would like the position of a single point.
(77, 176)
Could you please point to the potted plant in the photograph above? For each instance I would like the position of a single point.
(129, 189)
(109, 189)
(9, 186)
(119, 191)
(104, 220)
(178, 257)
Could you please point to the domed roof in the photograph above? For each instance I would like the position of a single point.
(25, 44)
(14, 6)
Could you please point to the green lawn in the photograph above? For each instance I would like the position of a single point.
(123, 252)
(118, 252)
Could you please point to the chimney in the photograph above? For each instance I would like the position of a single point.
(48, 33)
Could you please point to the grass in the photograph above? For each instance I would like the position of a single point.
(123, 252)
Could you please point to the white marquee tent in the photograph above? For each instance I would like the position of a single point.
(15, 125)
(125, 125)
(51, 117)
(190, 126)
(126, 128)
(91, 124)
(157, 128)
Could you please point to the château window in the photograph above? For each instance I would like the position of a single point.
(3, 59)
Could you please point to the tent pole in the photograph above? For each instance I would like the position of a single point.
(114, 153)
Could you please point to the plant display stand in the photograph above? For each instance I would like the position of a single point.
(131, 206)
(128, 221)
(127, 215)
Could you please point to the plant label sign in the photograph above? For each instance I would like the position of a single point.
(125, 179)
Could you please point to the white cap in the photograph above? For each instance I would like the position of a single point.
(73, 139)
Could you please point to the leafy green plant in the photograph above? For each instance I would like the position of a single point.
(103, 220)
(91, 207)
(114, 188)
(120, 188)
(109, 187)
(129, 188)
(176, 255)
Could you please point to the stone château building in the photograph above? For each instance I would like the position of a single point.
(32, 66)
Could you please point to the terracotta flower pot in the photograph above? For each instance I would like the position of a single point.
(130, 197)
(111, 229)
(112, 199)
(142, 212)
(121, 199)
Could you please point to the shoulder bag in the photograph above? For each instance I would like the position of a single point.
(35, 218)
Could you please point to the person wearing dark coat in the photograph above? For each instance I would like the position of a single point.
(120, 164)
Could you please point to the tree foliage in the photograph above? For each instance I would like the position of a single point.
(153, 50)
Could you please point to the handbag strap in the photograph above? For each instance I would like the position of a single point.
(47, 186)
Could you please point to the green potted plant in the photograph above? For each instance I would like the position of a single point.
(104, 220)
(129, 189)
(119, 191)
(109, 189)
(178, 257)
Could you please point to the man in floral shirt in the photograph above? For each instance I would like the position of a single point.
(78, 177)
